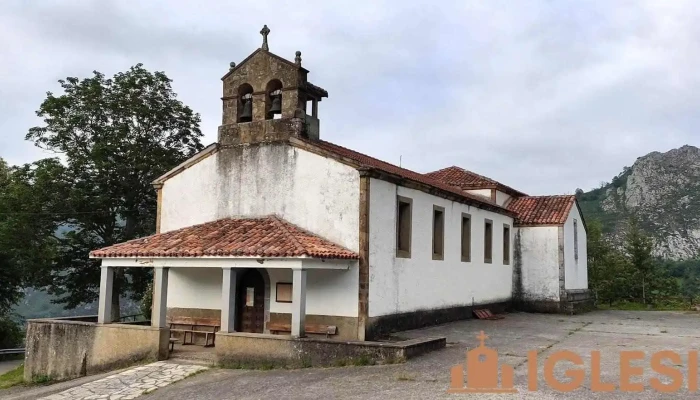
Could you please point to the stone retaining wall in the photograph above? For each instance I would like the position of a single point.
(64, 349)
(250, 350)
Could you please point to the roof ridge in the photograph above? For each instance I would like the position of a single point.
(430, 181)
(283, 226)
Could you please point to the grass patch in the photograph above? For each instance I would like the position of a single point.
(361, 361)
(405, 377)
(12, 378)
(41, 379)
(664, 331)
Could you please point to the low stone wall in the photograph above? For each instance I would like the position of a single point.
(251, 350)
(64, 349)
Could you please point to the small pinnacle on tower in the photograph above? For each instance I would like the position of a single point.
(297, 59)
(231, 65)
(264, 32)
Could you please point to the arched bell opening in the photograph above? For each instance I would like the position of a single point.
(273, 99)
(245, 103)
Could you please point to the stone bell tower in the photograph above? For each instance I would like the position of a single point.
(268, 98)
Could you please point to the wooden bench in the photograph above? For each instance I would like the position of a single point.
(172, 344)
(191, 326)
(327, 330)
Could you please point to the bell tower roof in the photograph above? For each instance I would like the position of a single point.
(234, 66)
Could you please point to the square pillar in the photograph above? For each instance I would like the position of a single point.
(228, 300)
(160, 296)
(298, 302)
(104, 312)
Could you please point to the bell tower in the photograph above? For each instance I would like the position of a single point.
(267, 98)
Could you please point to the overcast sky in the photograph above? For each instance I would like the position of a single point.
(545, 96)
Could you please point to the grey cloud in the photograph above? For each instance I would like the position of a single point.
(541, 95)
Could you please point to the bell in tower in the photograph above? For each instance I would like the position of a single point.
(247, 111)
(276, 107)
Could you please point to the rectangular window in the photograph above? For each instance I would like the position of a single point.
(506, 244)
(576, 240)
(438, 233)
(488, 241)
(403, 226)
(466, 237)
(283, 294)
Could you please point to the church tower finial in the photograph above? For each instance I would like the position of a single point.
(264, 32)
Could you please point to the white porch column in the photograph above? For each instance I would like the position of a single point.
(228, 300)
(298, 302)
(104, 312)
(160, 296)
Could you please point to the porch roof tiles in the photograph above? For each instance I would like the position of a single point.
(268, 236)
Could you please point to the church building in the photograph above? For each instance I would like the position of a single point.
(273, 230)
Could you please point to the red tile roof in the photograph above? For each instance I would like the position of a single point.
(268, 236)
(465, 180)
(541, 210)
(373, 163)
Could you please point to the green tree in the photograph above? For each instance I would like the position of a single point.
(116, 136)
(27, 242)
(638, 247)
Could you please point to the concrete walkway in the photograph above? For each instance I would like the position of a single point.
(7, 366)
(131, 383)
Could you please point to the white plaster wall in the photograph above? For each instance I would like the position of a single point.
(313, 192)
(539, 249)
(194, 288)
(402, 284)
(575, 271)
(501, 197)
(328, 292)
(480, 192)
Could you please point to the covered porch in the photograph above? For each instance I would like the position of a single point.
(245, 291)
(229, 270)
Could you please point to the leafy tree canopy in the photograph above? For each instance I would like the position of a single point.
(116, 136)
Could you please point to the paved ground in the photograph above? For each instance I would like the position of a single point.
(127, 384)
(7, 366)
(427, 377)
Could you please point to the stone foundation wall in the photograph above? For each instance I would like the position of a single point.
(573, 302)
(62, 349)
(384, 325)
(251, 350)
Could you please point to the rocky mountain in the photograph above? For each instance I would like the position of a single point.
(663, 191)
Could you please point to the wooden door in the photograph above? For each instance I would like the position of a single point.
(251, 302)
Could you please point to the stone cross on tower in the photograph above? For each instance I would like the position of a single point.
(264, 32)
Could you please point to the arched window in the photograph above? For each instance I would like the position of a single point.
(273, 99)
(245, 103)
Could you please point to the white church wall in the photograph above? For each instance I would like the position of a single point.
(194, 288)
(575, 270)
(539, 249)
(419, 283)
(311, 191)
(481, 192)
(501, 198)
(328, 292)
